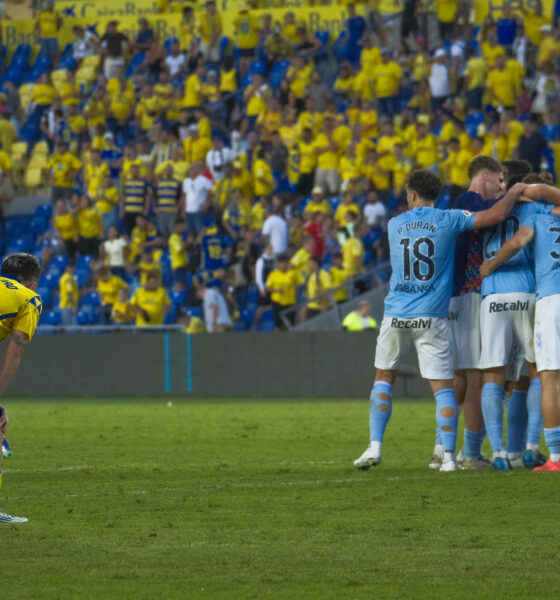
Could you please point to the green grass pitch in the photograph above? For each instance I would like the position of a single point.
(259, 499)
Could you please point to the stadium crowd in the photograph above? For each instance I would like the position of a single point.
(216, 182)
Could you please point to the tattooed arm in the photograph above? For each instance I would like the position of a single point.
(14, 353)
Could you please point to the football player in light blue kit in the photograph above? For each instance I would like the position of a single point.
(507, 313)
(545, 231)
(422, 242)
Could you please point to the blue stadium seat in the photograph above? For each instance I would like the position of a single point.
(246, 80)
(241, 327)
(60, 262)
(278, 73)
(49, 280)
(177, 297)
(51, 317)
(302, 204)
(46, 296)
(334, 201)
(24, 243)
(253, 294)
(91, 299)
(168, 43)
(248, 315)
(84, 317)
(171, 316)
(38, 225)
(323, 37)
(195, 311)
(53, 270)
(224, 46)
(472, 121)
(257, 66)
(134, 63)
(23, 50)
(266, 326)
(84, 261)
(81, 277)
(550, 132)
(267, 315)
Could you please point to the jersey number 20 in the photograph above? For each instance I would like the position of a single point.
(418, 258)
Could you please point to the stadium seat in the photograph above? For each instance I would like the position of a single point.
(33, 177)
(60, 262)
(45, 294)
(257, 66)
(302, 204)
(246, 80)
(84, 317)
(49, 280)
(38, 225)
(171, 316)
(19, 151)
(81, 277)
(50, 317)
(134, 63)
(43, 210)
(40, 150)
(84, 262)
(266, 326)
(195, 311)
(86, 75)
(323, 37)
(278, 73)
(58, 77)
(92, 61)
(91, 299)
(550, 132)
(177, 297)
(472, 121)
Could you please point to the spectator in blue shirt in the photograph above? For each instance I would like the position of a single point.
(145, 36)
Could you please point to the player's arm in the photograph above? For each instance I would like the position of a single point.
(523, 236)
(541, 191)
(500, 210)
(14, 353)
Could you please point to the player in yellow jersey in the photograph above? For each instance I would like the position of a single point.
(20, 309)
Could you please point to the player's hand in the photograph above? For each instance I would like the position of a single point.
(485, 269)
(523, 198)
(518, 189)
(3, 420)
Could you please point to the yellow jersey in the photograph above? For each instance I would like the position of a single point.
(502, 85)
(476, 72)
(285, 286)
(299, 263)
(262, 171)
(68, 287)
(122, 312)
(327, 159)
(20, 308)
(387, 77)
(179, 256)
(89, 223)
(338, 277)
(106, 200)
(63, 167)
(352, 256)
(247, 30)
(48, 24)
(458, 165)
(228, 80)
(152, 303)
(322, 207)
(317, 283)
(193, 92)
(43, 93)
(209, 27)
(109, 290)
(66, 226)
(341, 211)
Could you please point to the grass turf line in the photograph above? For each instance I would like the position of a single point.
(260, 500)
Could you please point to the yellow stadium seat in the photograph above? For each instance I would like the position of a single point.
(19, 150)
(91, 61)
(33, 177)
(40, 152)
(58, 77)
(86, 75)
(25, 92)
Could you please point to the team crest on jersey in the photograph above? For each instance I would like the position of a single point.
(36, 303)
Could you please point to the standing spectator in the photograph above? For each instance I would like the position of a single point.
(506, 26)
(275, 230)
(326, 149)
(307, 161)
(276, 155)
(151, 302)
(210, 31)
(281, 285)
(114, 250)
(66, 226)
(145, 36)
(193, 88)
(318, 91)
(263, 268)
(475, 77)
(108, 287)
(168, 193)
(68, 288)
(532, 144)
(114, 46)
(263, 180)
(501, 85)
(216, 314)
(46, 30)
(247, 33)
(85, 43)
(387, 76)
(196, 189)
(89, 228)
(218, 158)
(355, 27)
(375, 211)
(178, 252)
(390, 22)
(175, 62)
(440, 84)
(318, 281)
(520, 45)
(135, 198)
(63, 167)
(447, 16)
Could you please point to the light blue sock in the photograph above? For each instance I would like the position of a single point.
(493, 412)
(380, 410)
(447, 425)
(516, 421)
(472, 443)
(552, 438)
(438, 437)
(534, 408)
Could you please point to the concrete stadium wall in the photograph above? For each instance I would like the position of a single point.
(248, 365)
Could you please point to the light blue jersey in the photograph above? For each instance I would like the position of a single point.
(516, 274)
(422, 243)
(547, 254)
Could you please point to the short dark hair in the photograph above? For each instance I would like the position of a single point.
(516, 170)
(283, 258)
(426, 184)
(21, 266)
(484, 163)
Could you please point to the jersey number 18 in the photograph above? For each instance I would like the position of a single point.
(417, 258)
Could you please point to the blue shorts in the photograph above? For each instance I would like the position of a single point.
(49, 46)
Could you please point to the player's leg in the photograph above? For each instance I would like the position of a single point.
(435, 359)
(551, 415)
(516, 405)
(5, 517)
(496, 343)
(387, 361)
(475, 432)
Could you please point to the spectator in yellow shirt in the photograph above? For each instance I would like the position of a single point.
(108, 287)
(122, 312)
(475, 77)
(210, 31)
(457, 166)
(63, 167)
(68, 287)
(66, 226)
(178, 251)
(247, 32)
(346, 205)
(193, 88)
(501, 84)
(318, 282)
(338, 277)
(425, 148)
(344, 83)
(306, 161)
(255, 98)
(43, 93)
(150, 303)
(46, 29)
(281, 285)
(491, 50)
(263, 180)
(299, 76)
(318, 202)
(387, 76)
(89, 227)
(326, 150)
(353, 255)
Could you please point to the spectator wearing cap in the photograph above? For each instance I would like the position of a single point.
(114, 45)
(196, 193)
(440, 83)
(210, 31)
(218, 157)
(360, 319)
(318, 202)
(47, 26)
(281, 285)
(214, 306)
(387, 77)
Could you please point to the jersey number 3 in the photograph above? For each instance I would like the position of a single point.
(417, 259)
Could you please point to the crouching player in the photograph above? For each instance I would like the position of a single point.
(422, 242)
(20, 309)
(545, 231)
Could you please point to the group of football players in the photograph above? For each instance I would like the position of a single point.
(476, 290)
